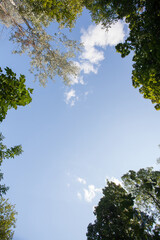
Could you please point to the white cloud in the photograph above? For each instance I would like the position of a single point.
(74, 80)
(90, 193)
(81, 180)
(71, 97)
(87, 67)
(81, 81)
(79, 195)
(95, 39)
(97, 36)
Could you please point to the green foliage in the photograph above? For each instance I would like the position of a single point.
(3, 188)
(7, 219)
(6, 153)
(143, 18)
(64, 12)
(144, 186)
(116, 217)
(13, 92)
(130, 211)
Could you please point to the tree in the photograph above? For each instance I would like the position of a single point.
(143, 19)
(119, 215)
(64, 12)
(7, 211)
(7, 219)
(13, 92)
(50, 55)
(144, 186)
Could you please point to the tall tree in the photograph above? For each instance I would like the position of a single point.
(116, 217)
(13, 93)
(143, 19)
(50, 55)
(130, 211)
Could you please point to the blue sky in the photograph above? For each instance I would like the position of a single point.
(74, 138)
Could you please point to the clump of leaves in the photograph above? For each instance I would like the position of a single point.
(13, 92)
(7, 219)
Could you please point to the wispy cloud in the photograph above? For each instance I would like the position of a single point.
(81, 180)
(70, 97)
(95, 40)
(90, 193)
(79, 195)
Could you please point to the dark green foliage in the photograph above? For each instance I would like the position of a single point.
(143, 17)
(116, 217)
(13, 92)
(130, 212)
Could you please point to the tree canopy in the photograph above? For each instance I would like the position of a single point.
(64, 12)
(50, 55)
(144, 186)
(143, 19)
(119, 214)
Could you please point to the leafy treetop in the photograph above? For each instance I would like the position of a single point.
(64, 12)
(143, 19)
(145, 188)
(122, 212)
